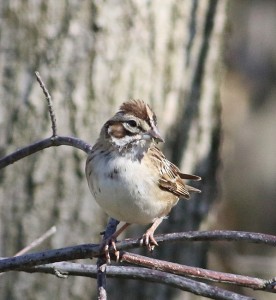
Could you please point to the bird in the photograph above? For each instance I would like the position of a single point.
(128, 175)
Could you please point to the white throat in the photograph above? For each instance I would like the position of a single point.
(129, 148)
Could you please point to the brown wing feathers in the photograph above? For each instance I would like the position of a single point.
(189, 176)
(171, 177)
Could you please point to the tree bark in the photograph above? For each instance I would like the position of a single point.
(93, 56)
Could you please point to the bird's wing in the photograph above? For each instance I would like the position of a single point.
(171, 179)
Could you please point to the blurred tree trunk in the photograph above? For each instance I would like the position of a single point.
(94, 55)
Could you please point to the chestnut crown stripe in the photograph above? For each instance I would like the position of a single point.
(139, 109)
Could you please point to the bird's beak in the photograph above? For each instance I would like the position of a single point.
(153, 134)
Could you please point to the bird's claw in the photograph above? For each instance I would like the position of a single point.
(149, 241)
(106, 246)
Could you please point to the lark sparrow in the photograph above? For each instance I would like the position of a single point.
(129, 176)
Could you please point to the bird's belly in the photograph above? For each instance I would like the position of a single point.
(129, 195)
(130, 206)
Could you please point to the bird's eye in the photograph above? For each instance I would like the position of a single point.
(132, 123)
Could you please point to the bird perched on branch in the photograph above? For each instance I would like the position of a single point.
(129, 177)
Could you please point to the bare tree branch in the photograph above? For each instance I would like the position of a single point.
(210, 236)
(92, 250)
(127, 272)
(46, 143)
(219, 235)
(54, 140)
(50, 256)
(246, 281)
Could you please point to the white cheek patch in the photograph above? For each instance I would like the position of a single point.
(109, 131)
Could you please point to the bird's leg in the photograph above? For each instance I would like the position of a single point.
(112, 241)
(148, 239)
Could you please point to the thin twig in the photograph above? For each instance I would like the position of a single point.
(50, 104)
(37, 241)
(127, 272)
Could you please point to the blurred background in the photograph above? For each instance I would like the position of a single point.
(248, 172)
(208, 68)
(248, 110)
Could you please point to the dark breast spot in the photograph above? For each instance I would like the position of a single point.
(113, 174)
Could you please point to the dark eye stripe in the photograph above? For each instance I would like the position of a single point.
(133, 128)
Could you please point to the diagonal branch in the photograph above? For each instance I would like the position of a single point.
(38, 241)
(195, 272)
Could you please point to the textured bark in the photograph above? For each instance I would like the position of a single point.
(94, 55)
